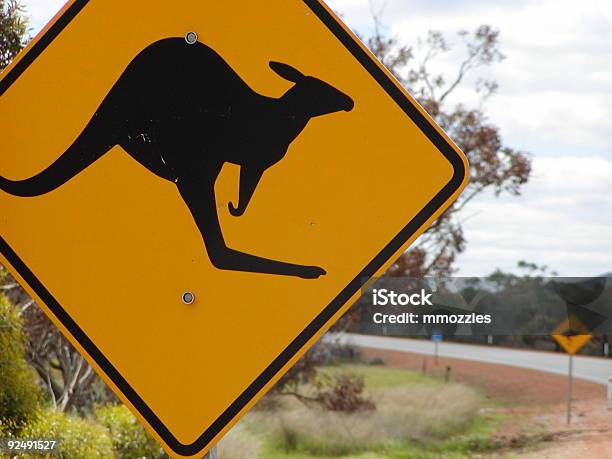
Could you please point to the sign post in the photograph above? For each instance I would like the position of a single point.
(571, 343)
(235, 171)
(570, 375)
(436, 338)
(212, 453)
(436, 352)
(609, 392)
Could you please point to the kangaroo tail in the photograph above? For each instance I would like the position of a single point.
(82, 153)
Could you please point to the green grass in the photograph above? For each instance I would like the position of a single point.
(380, 377)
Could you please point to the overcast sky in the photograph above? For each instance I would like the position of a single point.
(554, 101)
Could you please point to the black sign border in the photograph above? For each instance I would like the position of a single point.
(369, 63)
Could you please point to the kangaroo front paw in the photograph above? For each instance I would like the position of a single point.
(311, 272)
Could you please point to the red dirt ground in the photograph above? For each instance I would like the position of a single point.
(536, 398)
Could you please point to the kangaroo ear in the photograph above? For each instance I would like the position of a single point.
(287, 72)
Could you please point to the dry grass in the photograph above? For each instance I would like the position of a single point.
(424, 412)
(239, 443)
(416, 412)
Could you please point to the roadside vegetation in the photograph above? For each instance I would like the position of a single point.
(414, 416)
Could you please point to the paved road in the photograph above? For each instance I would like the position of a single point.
(592, 369)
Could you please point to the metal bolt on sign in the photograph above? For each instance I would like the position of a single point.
(191, 38)
(188, 298)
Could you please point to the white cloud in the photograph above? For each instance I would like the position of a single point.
(41, 12)
(563, 220)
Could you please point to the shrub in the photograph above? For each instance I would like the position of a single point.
(343, 392)
(130, 439)
(78, 438)
(19, 392)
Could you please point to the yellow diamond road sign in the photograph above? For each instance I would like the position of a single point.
(194, 194)
(565, 334)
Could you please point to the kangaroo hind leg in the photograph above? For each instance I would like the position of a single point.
(200, 198)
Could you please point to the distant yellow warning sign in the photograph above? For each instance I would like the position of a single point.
(565, 335)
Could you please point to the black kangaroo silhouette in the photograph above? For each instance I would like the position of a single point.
(182, 112)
